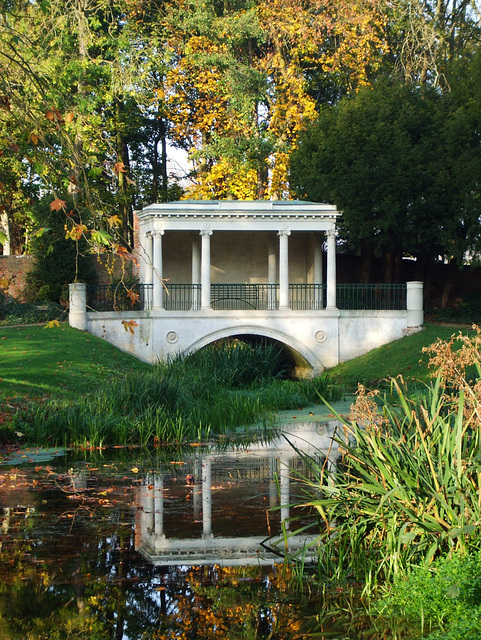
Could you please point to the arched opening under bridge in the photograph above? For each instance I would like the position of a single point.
(295, 361)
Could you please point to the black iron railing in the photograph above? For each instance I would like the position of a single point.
(263, 297)
(119, 297)
(182, 297)
(244, 296)
(371, 297)
(303, 297)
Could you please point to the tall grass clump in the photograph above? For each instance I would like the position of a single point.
(406, 487)
(210, 392)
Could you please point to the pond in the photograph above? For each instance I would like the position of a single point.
(134, 545)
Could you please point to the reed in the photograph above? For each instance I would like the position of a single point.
(405, 489)
(189, 398)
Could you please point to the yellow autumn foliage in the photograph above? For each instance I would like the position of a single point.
(240, 142)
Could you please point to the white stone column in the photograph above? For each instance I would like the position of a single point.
(158, 302)
(284, 269)
(272, 273)
(145, 515)
(317, 271)
(414, 303)
(205, 269)
(77, 309)
(331, 270)
(149, 265)
(196, 271)
(273, 492)
(207, 498)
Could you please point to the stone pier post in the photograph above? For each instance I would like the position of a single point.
(77, 315)
(414, 303)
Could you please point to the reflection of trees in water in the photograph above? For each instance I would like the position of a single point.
(211, 601)
(72, 571)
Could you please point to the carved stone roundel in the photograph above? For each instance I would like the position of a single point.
(172, 337)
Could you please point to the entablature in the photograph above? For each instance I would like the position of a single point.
(237, 215)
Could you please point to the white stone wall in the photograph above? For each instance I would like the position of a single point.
(235, 257)
(363, 331)
(315, 336)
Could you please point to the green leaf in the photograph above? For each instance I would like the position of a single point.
(39, 232)
(455, 532)
(101, 237)
(39, 168)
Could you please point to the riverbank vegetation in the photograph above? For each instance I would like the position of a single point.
(399, 510)
(191, 398)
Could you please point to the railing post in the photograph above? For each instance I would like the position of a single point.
(414, 303)
(77, 311)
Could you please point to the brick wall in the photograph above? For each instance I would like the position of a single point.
(13, 270)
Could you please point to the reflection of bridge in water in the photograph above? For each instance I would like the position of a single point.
(232, 507)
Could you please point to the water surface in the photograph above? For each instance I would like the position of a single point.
(131, 545)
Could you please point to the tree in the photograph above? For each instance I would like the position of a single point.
(380, 157)
(427, 36)
(237, 87)
(68, 89)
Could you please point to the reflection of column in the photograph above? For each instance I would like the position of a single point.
(159, 508)
(272, 482)
(157, 262)
(149, 272)
(284, 487)
(197, 488)
(195, 273)
(207, 498)
(331, 269)
(145, 504)
(271, 272)
(284, 269)
(205, 269)
(317, 272)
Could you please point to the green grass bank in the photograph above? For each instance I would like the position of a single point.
(60, 378)
(62, 387)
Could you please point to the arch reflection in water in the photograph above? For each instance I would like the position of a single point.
(232, 507)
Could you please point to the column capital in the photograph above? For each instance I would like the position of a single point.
(284, 232)
(157, 233)
(205, 232)
(331, 233)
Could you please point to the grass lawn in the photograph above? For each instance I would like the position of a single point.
(402, 356)
(36, 362)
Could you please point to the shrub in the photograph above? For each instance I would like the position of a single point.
(444, 598)
(59, 261)
(14, 312)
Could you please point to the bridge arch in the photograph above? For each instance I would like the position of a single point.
(306, 363)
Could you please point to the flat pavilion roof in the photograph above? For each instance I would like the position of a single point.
(241, 214)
